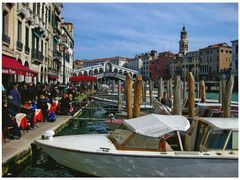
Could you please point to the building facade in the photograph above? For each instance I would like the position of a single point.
(234, 68)
(136, 63)
(235, 57)
(215, 61)
(67, 51)
(190, 63)
(32, 36)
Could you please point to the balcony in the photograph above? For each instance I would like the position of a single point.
(37, 56)
(21, 9)
(29, 15)
(38, 23)
(57, 29)
(46, 34)
(27, 49)
(57, 56)
(19, 46)
(6, 40)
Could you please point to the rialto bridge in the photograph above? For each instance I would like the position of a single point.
(106, 70)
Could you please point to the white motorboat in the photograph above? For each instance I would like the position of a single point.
(214, 110)
(152, 145)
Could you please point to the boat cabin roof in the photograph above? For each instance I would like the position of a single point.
(155, 125)
(213, 104)
(222, 123)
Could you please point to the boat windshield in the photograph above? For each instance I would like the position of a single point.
(126, 139)
(218, 137)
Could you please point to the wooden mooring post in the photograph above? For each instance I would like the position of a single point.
(151, 91)
(227, 97)
(129, 96)
(170, 89)
(137, 96)
(191, 94)
(119, 96)
(203, 92)
(222, 91)
(144, 89)
(177, 100)
(160, 87)
(113, 86)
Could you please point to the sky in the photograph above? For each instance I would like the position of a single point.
(126, 29)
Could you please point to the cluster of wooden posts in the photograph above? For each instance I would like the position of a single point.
(140, 87)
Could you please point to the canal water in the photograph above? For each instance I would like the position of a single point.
(45, 166)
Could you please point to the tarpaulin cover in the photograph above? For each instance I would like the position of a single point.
(82, 78)
(155, 125)
(12, 66)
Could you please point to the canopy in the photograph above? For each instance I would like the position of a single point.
(222, 123)
(12, 66)
(53, 76)
(155, 125)
(82, 78)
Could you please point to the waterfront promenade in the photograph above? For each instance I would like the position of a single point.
(16, 151)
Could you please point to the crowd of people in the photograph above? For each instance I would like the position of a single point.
(27, 97)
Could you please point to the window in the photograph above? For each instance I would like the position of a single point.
(27, 37)
(41, 46)
(42, 13)
(19, 34)
(221, 50)
(34, 8)
(46, 19)
(46, 49)
(38, 9)
(236, 49)
(49, 15)
(5, 22)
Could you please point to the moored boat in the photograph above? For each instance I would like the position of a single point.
(152, 145)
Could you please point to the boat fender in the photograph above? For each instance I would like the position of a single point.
(48, 135)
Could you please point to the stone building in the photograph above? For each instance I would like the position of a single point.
(136, 63)
(67, 50)
(215, 61)
(190, 62)
(31, 38)
(234, 68)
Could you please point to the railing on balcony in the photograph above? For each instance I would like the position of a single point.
(6, 39)
(19, 46)
(56, 29)
(37, 56)
(27, 49)
(57, 55)
(21, 9)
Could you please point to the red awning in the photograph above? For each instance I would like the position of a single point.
(12, 66)
(82, 78)
(53, 77)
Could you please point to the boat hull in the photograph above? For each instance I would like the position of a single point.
(122, 165)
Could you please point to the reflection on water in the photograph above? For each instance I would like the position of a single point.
(45, 166)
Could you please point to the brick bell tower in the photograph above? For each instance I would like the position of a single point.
(183, 43)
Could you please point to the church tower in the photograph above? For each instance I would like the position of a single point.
(183, 43)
